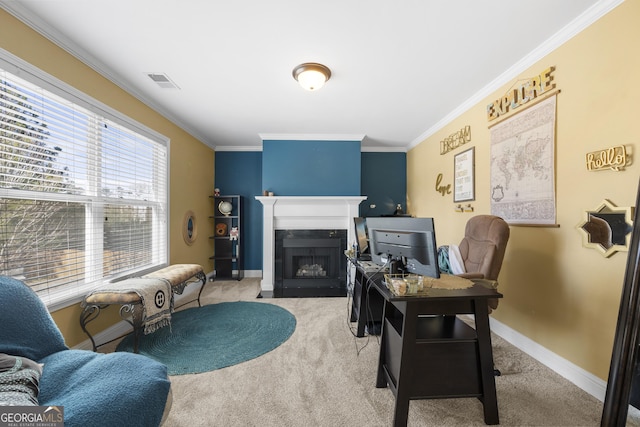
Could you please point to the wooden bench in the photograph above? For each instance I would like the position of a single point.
(131, 310)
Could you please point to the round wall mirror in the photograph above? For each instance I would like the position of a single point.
(189, 229)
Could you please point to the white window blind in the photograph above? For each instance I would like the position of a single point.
(83, 198)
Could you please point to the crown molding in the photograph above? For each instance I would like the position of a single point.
(394, 149)
(583, 21)
(363, 149)
(310, 137)
(238, 148)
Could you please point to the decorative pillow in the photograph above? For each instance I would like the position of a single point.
(455, 260)
(443, 259)
(19, 381)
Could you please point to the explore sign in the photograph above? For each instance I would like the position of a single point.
(529, 90)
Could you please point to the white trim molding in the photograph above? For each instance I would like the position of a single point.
(578, 376)
(310, 137)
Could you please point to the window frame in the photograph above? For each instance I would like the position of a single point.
(36, 76)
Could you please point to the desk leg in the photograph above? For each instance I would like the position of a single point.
(362, 314)
(489, 399)
(407, 360)
(360, 294)
(381, 381)
(402, 389)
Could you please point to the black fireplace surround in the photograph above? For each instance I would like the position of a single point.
(310, 263)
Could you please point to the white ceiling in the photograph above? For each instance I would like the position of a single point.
(399, 68)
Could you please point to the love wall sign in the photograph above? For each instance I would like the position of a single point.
(441, 188)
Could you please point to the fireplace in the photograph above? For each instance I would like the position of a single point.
(303, 213)
(310, 263)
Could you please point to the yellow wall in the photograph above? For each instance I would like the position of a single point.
(556, 292)
(191, 161)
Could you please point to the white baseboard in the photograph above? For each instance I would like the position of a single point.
(249, 274)
(252, 273)
(578, 376)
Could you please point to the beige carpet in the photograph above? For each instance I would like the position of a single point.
(324, 376)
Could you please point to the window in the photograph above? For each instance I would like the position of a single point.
(83, 190)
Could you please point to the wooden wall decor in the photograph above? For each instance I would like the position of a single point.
(612, 158)
(523, 94)
(455, 140)
(443, 189)
(607, 228)
(189, 229)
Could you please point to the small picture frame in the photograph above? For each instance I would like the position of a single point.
(464, 176)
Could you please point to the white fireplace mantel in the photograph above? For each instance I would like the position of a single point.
(303, 213)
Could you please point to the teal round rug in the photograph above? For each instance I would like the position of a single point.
(215, 336)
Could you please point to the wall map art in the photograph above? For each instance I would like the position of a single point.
(522, 166)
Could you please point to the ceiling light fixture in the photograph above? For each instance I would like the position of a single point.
(311, 76)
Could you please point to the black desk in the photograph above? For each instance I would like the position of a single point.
(367, 303)
(427, 352)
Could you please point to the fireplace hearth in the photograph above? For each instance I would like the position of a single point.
(310, 263)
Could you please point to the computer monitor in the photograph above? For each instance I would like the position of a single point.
(407, 244)
(362, 238)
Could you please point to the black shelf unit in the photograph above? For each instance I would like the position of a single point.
(227, 255)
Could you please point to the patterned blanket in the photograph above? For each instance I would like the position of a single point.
(156, 297)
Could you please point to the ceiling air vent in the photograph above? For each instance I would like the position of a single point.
(162, 80)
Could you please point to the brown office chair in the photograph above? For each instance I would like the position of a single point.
(482, 250)
(483, 247)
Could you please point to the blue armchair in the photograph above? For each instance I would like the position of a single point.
(95, 389)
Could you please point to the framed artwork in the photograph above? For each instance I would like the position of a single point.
(464, 176)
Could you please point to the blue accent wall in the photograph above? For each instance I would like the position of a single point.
(311, 168)
(384, 182)
(240, 173)
(322, 168)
